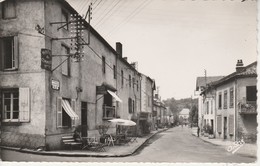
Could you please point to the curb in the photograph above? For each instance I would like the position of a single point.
(50, 153)
(238, 153)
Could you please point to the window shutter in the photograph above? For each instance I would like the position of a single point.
(129, 105)
(219, 124)
(24, 104)
(16, 52)
(1, 54)
(59, 112)
(231, 124)
(73, 106)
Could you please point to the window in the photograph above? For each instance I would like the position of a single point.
(130, 80)
(15, 105)
(122, 78)
(114, 69)
(207, 107)
(225, 99)
(9, 53)
(220, 100)
(9, 9)
(231, 98)
(66, 115)
(130, 105)
(211, 106)
(66, 65)
(103, 64)
(65, 19)
(133, 83)
(133, 108)
(137, 85)
(251, 93)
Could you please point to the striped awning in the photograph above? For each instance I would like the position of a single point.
(114, 95)
(69, 110)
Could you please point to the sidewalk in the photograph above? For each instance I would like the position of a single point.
(249, 150)
(111, 151)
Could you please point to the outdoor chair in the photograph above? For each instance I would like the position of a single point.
(91, 143)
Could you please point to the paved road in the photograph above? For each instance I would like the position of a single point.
(173, 145)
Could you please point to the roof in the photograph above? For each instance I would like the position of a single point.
(247, 71)
(184, 111)
(201, 81)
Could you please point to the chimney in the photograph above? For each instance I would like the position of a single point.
(119, 49)
(240, 65)
(133, 65)
(125, 58)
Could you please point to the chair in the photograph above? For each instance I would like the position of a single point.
(91, 143)
(110, 140)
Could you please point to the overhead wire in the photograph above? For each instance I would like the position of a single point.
(97, 5)
(129, 17)
(84, 6)
(106, 15)
(103, 11)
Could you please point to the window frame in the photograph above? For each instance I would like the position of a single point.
(11, 92)
(130, 81)
(231, 97)
(4, 8)
(65, 15)
(122, 78)
(220, 100)
(114, 71)
(68, 74)
(14, 53)
(103, 64)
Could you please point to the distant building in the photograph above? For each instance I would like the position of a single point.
(201, 83)
(184, 116)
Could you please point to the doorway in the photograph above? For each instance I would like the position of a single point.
(84, 119)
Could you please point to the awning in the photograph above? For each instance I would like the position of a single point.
(114, 95)
(66, 105)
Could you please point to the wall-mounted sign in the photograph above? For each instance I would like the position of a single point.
(101, 90)
(46, 59)
(55, 84)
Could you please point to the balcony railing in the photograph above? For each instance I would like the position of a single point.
(248, 108)
(108, 112)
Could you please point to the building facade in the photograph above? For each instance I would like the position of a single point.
(47, 87)
(234, 104)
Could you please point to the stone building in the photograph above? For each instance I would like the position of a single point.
(47, 87)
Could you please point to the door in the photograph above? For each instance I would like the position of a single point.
(212, 125)
(84, 119)
(225, 127)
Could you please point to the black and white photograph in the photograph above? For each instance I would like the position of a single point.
(129, 81)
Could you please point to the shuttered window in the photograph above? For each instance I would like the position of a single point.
(59, 112)
(231, 124)
(219, 124)
(16, 105)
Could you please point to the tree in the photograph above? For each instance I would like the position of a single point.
(193, 115)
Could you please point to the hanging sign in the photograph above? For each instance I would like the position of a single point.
(46, 59)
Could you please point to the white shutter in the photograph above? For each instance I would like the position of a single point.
(24, 104)
(59, 112)
(219, 124)
(73, 106)
(16, 52)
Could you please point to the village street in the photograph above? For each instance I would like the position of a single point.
(173, 145)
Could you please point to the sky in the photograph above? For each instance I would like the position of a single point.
(174, 41)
